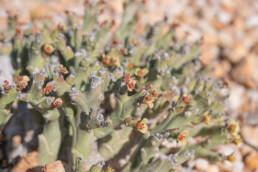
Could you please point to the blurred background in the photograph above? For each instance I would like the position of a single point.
(228, 32)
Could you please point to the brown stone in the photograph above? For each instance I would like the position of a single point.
(250, 134)
(251, 161)
(237, 52)
(222, 69)
(246, 72)
(208, 53)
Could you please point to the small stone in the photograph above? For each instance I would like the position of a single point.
(246, 72)
(252, 21)
(224, 17)
(234, 103)
(237, 52)
(250, 134)
(56, 166)
(251, 161)
(212, 168)
(222, 69)
(208, 53)
(201, 164)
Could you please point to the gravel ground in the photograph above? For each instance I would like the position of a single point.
(228, 30)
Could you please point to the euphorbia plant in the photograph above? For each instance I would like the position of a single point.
(138, 97)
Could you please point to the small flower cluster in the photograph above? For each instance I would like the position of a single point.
(149, 97)
(110, 61)
(141, 72)
(130, 81)
(142, 126)
(21, 82)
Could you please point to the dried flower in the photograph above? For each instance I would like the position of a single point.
(236, 140)
(231, 157)
(48, 88)
(110, 61)
(141, 126)
(131, 84)
(141, 72)
(62, 70)
(48, 49)
(205, 118)
(149, 86)
(154, 93)
(233, 128)
(130, 81)
(181, 136)
(148, 100)
(57, 103)
(21, 82)
(126, 77)
(109, 169)
(150, 97)
(130, 65)
(105, 60)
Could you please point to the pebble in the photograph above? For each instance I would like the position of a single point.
(201, 164)
(56, 166)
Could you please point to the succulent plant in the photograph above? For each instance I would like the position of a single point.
(142, 98)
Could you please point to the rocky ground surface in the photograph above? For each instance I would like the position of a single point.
(228, 30)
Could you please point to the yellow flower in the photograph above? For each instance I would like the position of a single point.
(62, 69)
(131, 84)
(181, 136)
(233, 128)
(21, 82)
(205, 118)
(130, 65)
(141, 72)
(109, 169)
(236, 140)
(48, 49)
(110, 61)
(231, 157)
(141, 126)
(149, 98)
